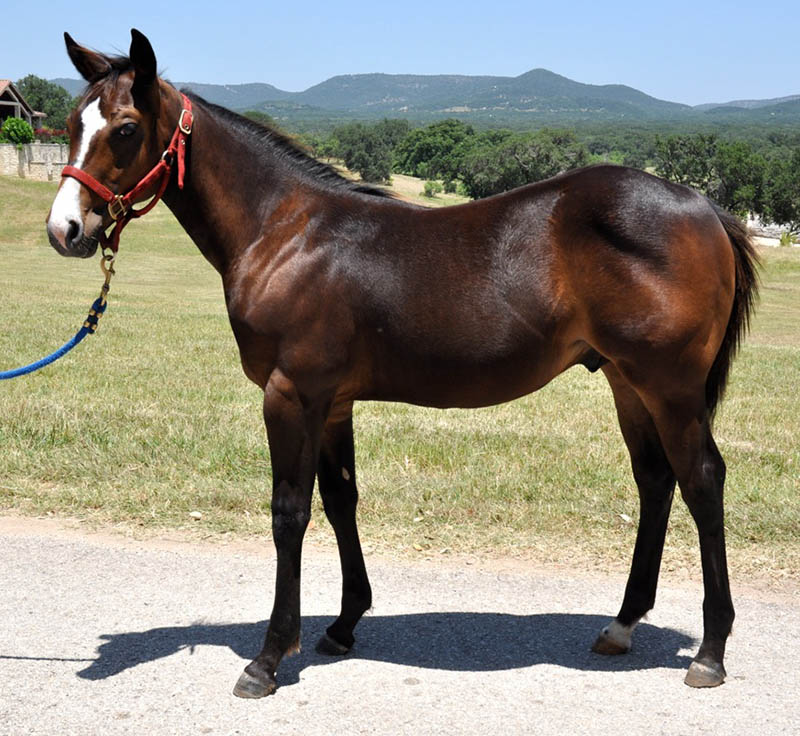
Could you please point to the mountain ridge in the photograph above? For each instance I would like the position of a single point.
(538, 94)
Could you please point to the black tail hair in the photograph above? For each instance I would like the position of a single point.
(744, 298)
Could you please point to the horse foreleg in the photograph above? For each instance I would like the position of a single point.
(656, 484)
(293, 430)
(337, 485)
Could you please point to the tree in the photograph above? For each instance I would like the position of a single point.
(364, 150)
(739, 178)
(731, 173)
(48, 98)
(687, 159)
(432, 152)
(782, 191)
(392, 131)
(367, 149)
(321, 146)
(494, 167)
(261, 118)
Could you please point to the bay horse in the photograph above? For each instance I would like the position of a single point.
(337, 292)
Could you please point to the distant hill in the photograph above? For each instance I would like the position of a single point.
(538, 96)
(237, 96)
(788, 111)
(747, 104)
(233, 96)
(73, 86)
(538, 92)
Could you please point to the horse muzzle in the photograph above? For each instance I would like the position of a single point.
(73, 238)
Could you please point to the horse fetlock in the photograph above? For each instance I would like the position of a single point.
(330, 646)
(357, 599)
(293, 648)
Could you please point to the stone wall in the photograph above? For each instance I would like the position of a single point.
(39, 161)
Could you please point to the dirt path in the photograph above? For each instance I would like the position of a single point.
(103, 634)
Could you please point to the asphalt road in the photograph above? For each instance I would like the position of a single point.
(103, 635)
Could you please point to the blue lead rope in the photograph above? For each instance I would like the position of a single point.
(89, 327)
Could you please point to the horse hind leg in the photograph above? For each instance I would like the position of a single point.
(337, 484)
(701, 476)
(656, 485)
(680, 414)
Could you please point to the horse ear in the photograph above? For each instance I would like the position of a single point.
(91, 65)
(143, 59)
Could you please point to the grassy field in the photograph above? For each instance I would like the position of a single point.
(152, 418)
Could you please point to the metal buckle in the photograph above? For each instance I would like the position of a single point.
(185, 127)
(117, 207)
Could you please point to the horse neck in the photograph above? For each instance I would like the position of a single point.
(228, 191)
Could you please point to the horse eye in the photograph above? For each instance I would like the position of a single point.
(127, 129)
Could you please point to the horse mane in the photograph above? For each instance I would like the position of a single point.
(268, 141)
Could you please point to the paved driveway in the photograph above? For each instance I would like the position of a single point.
(103, 635)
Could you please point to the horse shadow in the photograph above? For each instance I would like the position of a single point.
(456, 641)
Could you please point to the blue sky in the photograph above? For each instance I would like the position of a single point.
(689, 52)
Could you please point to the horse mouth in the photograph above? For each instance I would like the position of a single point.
(86, 247)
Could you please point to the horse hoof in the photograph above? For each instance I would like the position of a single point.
(249, 686)
(705, 674)
(613, 639)
(330, 647)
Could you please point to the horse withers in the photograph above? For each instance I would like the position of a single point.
(337, 292)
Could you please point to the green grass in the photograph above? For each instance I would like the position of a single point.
(153, 418)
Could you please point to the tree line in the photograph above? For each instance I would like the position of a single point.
(758, 176)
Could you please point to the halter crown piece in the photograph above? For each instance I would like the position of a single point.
(120, 206)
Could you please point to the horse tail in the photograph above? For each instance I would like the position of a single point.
(744, 298)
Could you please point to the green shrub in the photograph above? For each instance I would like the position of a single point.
(432, 188)
(788, 238)
(17, 131)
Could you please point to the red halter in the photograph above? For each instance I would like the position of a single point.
(120, 206)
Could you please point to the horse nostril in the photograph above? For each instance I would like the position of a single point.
(74, 233)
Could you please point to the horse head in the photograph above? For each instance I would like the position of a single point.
(116, 137)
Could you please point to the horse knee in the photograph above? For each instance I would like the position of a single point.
(287, 527)
(290, 516)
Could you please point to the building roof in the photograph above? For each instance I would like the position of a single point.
(6, 85)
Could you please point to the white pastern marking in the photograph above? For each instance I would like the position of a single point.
(619, 633)
(67, 204)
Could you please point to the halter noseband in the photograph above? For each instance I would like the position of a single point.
(120, 206)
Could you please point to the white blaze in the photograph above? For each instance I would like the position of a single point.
(67, 204)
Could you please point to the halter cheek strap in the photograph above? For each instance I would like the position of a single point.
(120, 206)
